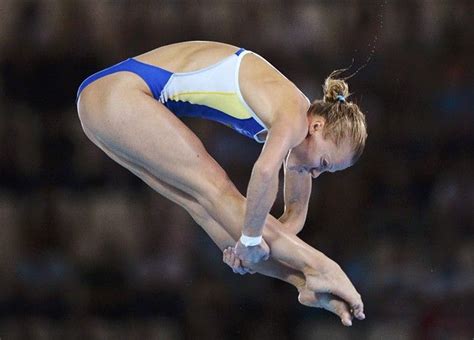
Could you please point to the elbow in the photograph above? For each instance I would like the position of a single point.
(292, 224)
(263, 172)
(296, 228)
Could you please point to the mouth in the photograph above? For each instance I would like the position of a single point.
(299, 168)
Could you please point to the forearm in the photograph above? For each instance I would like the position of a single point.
(297, 191)
(293, 219)
(261, 194)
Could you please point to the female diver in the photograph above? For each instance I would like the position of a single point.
(131, 110)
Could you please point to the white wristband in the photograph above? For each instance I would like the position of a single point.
(250, 241)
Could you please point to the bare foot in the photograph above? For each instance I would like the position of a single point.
(306, 296)
(328, 302)
(329, 278)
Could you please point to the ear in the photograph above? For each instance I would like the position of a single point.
(317, 124)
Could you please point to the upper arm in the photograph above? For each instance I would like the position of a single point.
(282, 136)
(285, 110)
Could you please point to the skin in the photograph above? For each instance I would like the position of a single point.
(313, 157)
(306, 296)
(120, 116)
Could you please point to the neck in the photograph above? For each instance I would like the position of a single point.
(298, 154)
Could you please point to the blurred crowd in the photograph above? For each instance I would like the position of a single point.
(88, 251)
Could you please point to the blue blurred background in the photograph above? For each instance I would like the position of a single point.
(87, 251)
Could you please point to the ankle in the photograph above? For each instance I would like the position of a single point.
(318, 265)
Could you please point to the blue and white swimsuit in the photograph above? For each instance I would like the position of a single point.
(211, 93)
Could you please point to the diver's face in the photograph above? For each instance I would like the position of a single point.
(316, 154)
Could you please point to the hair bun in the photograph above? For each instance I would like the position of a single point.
(333, 88)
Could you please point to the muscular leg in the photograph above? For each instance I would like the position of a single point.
(134, 127)
(223, 240)
(217, 233)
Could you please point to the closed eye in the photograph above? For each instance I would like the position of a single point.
(324, 164)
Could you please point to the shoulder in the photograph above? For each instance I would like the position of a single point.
(272, 96)
(289, 117)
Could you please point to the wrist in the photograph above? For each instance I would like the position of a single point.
(250, 241)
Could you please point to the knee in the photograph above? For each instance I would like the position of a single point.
(196, 211)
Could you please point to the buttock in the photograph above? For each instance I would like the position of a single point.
(155, 77)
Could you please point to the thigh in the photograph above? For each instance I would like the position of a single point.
(215, 231)
(222, 238)
(136, 127)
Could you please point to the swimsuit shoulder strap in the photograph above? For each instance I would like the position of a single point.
(239, 51)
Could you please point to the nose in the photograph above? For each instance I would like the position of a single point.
(315, 173)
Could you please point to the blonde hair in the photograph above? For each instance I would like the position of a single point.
(344, 119)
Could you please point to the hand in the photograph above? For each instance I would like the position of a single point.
(234, 262)
(252, 254)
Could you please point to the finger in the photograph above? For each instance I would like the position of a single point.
(237, 263)
(236, 267)
(233, 259)
(267, 256)
(239, 269)
(226, 257)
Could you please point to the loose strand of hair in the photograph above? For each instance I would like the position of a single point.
(337, 72)
(371, 45)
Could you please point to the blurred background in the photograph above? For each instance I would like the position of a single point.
(87, 251)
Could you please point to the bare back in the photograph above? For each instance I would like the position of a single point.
(263, 87)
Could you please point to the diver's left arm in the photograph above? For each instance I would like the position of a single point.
(297, 190)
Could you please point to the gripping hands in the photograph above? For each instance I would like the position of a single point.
(234, 262)
(252, 253)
